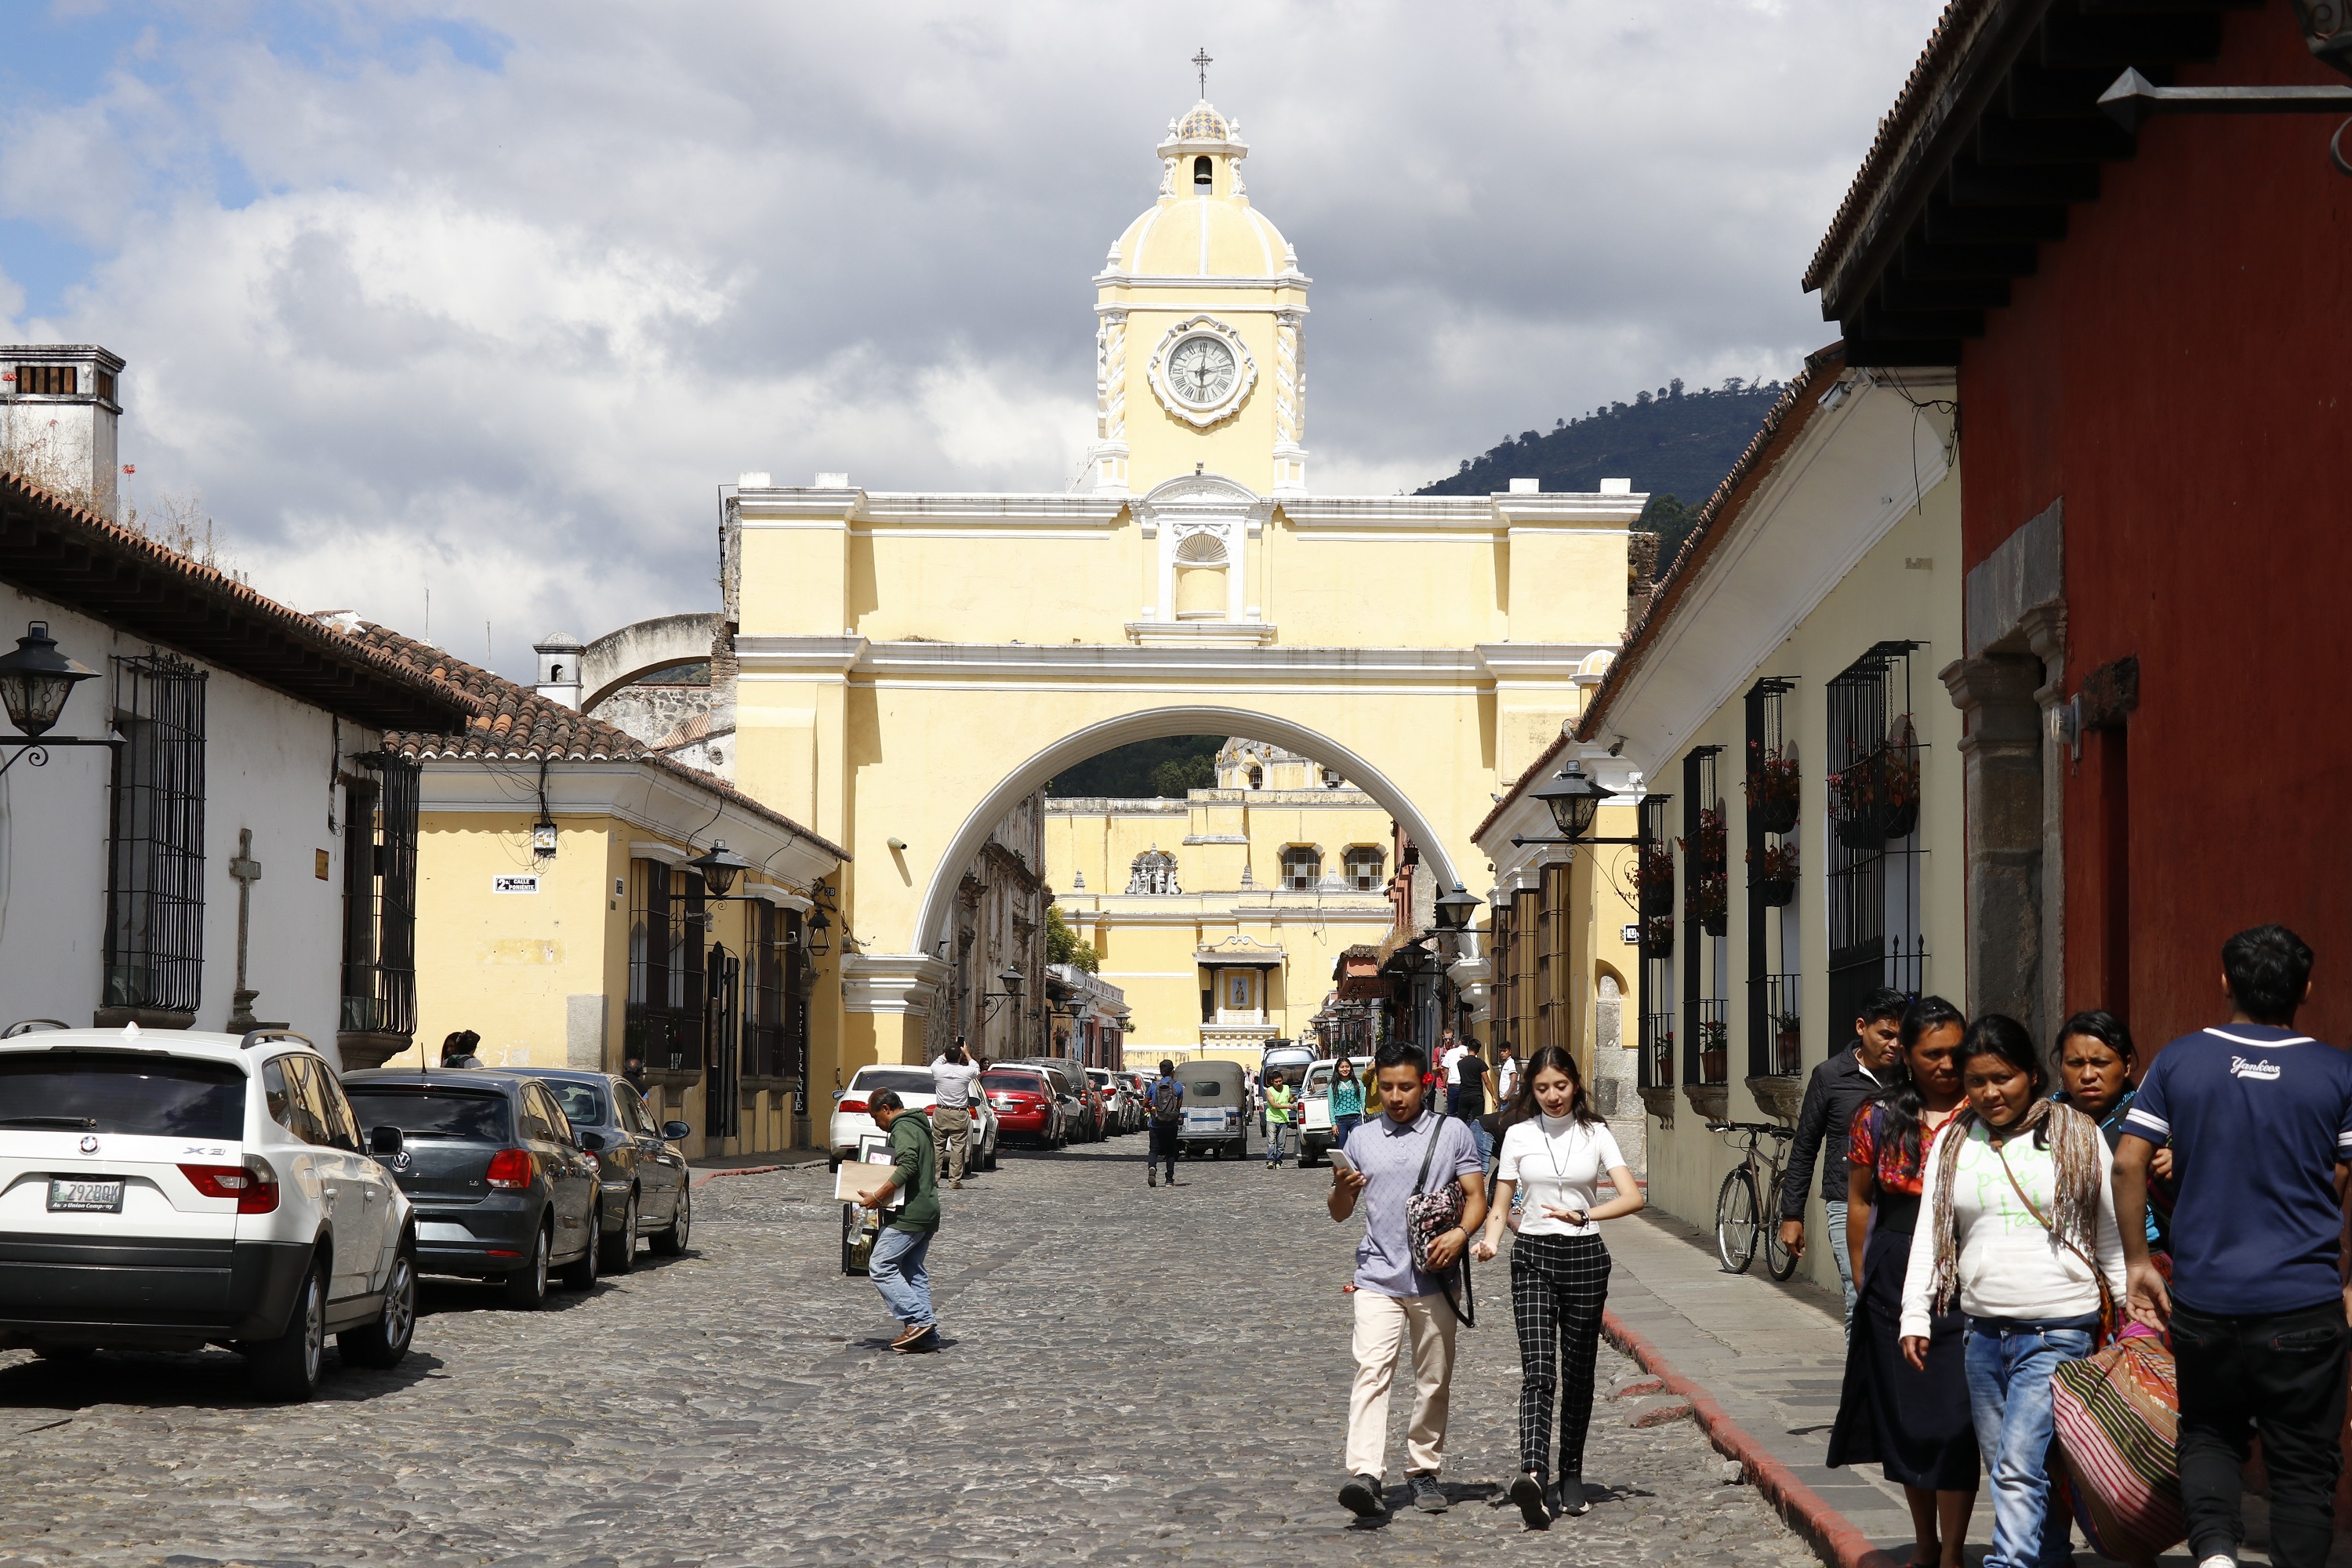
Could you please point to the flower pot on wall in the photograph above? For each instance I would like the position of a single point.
(1657, 898)
(1777, 893)
(1788, 1052)
(1713, 1064)
(1717, 923)
(1774, 816)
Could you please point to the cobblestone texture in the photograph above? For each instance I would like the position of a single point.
(1129, 1376)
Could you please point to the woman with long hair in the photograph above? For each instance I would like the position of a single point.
(1347, 1094)
(2019, 1205)
(1912, 1419)
(1557, 1151)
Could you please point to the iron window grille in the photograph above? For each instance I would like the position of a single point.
(380, 897)
(1710, 1041)
(722, 1096)
(1876, 858)
(776, 1028)
(1656, 933)
(155, 850)
(1553, 958)
(1771, 786)
(1705, 889)
(664, 1017)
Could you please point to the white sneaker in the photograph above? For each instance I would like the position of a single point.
(2218, 1559)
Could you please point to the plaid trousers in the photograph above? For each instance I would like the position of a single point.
(1558, 1284)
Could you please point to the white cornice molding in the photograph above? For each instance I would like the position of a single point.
(884, 661)
(782, 897)
(1201, 634)
(1555, 663)
(799, 505)
(1402, 514)
(890, 981)
(1273, 281)
(985, 513)
(654, 849)
(1570, 512)
(768, 657)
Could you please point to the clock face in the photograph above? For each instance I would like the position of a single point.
(1200, 371)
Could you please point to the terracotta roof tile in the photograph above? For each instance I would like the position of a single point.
(517, 724)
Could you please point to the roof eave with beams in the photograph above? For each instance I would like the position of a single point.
(1996, 135)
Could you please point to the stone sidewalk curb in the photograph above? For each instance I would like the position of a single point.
(1833, 1535)
(740, 1171)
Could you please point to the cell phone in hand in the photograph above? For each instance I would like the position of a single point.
(1340, 1159)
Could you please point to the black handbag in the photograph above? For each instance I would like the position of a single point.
(1427, 1216)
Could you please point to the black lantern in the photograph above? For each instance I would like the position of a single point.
(1011, 980)
(1573, 799)
(1455, 910)
(719, 866)
(2327, 30)
(817, 926)
(35, 680)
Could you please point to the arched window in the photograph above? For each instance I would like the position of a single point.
(1302, 868)
(1153, 871)
(1204, 176)
(1364, 864)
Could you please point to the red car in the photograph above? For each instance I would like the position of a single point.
(1025, 1106)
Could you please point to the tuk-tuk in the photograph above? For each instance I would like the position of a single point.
(1216, 1109)
(1317, 1132)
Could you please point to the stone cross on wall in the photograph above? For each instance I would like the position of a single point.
(248, 871)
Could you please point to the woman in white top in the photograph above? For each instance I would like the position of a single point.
(1557, 1151)
(2018, 1203)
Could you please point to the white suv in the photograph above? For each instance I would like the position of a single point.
(168, 1189)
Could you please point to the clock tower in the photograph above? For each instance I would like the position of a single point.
(1200, 311)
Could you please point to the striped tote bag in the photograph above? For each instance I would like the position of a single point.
(2118, 1418)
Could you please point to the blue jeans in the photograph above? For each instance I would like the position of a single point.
(1833, 1212)
(2010, 1363)
(897, 1269)
(1277, 1134)
(1343, 1125)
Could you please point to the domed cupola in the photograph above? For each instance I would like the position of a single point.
(1201, 306)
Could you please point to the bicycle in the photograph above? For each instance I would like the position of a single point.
(1740, 1210)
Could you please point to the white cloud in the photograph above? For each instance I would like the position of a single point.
(410, 322)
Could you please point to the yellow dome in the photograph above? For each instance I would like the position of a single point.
(1204, 237)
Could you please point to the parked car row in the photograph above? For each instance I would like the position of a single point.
(1040, 1102)
(171, 1190)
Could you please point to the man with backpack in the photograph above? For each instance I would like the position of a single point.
(1167, 1113)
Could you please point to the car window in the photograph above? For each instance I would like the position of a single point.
(340, 1127)
(472, 1116)
(275, 1096)
(306, 1112)
(629, 1111)
(112, 1091)
(905, 1080)
(581, 1104)
(533, 1116)
(558, 1124)
(1027, 1082)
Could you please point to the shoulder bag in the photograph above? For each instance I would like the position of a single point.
(1427, 1216)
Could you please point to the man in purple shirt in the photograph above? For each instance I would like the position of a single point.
(1394, 1302)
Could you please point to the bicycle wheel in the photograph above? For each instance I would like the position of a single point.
(1777, 1258)
(1734, 1220)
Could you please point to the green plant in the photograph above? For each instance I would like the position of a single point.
(1778, 863)
(1065, 945)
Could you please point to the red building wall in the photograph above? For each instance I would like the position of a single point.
(2179, 372)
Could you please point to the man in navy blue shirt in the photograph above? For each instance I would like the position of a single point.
(2260, 1121)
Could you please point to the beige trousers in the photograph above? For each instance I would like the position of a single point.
(1383, 1325)
(950, 1130)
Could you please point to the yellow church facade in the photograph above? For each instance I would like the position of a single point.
(1221, 915)
(911, 665)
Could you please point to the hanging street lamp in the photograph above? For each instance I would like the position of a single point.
(1575, 803)
(34, 682)
(719, 866)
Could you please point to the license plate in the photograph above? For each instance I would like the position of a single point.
(83, 1196)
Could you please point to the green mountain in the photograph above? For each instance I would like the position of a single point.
(1142, 769)
(1675, 444)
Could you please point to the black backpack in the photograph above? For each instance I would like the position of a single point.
(1167, 1099)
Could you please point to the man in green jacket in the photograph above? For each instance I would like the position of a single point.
(897, 1265)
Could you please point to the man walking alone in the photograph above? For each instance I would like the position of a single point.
(1389, 1159)
(900, 1266)
(1167, 1115)
(1279, 1101)
(953, 1074)
(2260, 1122)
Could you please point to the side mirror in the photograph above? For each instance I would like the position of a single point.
(674, 1130)
(386, 1143)
(592, 1141)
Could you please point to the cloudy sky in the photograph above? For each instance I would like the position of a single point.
(487, 299)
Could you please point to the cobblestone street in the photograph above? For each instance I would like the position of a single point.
(1129, 1375)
